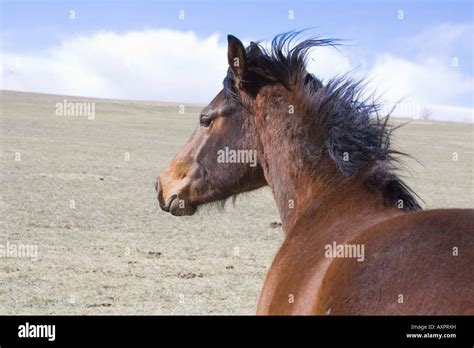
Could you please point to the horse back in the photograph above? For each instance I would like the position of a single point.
(417, 263)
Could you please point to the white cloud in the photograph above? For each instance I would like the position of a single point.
(430, 85)
(442, 39)
(155, 65)
(427, 82)
(437, 78)
(170, 65)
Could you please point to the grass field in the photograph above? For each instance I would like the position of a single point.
(82, 191)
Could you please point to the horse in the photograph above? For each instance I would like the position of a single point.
(357, 242)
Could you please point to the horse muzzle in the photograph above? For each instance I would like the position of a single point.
(173, 203)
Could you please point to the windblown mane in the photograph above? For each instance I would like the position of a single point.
(345, 121)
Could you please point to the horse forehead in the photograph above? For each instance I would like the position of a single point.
(216, 104)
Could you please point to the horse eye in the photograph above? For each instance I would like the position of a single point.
(205, 120)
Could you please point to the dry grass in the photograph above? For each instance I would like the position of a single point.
(116, 253)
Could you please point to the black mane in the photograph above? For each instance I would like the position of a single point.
(345, 121)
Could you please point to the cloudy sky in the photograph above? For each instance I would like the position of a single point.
(421, 51)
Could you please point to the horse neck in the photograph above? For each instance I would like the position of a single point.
(325, 200)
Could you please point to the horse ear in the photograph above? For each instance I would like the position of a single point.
(236, 56)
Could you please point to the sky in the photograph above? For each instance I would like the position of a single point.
(419, 52)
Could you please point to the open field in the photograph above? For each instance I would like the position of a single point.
(82, 191)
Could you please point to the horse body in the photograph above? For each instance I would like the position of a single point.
(356, 239)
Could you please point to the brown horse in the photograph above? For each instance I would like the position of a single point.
(356, 240)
